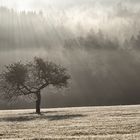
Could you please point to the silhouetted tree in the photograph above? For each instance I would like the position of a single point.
(29, 79)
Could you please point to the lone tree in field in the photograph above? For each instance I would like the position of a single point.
(29, 79)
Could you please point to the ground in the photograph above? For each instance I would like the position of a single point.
(97, 123)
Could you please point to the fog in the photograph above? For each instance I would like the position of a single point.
(97, 41)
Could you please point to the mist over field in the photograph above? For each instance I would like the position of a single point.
(97, 41)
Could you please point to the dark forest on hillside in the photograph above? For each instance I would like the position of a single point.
(99, 45)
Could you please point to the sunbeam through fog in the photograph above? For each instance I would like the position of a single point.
(97, 41)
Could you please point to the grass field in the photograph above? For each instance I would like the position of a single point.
(97, 123)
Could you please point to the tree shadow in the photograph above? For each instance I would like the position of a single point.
(43, 112)
(17, 119)
(64, 117)
(40, 117)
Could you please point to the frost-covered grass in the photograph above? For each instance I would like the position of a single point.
(97, 123)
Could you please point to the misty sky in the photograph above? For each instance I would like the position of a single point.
(42, 4)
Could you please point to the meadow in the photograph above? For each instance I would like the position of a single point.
(97, 123)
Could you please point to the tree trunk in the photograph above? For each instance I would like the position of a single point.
(38, 102)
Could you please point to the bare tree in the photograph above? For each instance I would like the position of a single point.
(29, 79)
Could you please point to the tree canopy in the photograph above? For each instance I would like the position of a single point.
(20, 79)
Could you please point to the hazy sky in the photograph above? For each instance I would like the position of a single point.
(42, 4)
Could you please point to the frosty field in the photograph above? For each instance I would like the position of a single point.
(97, 123)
